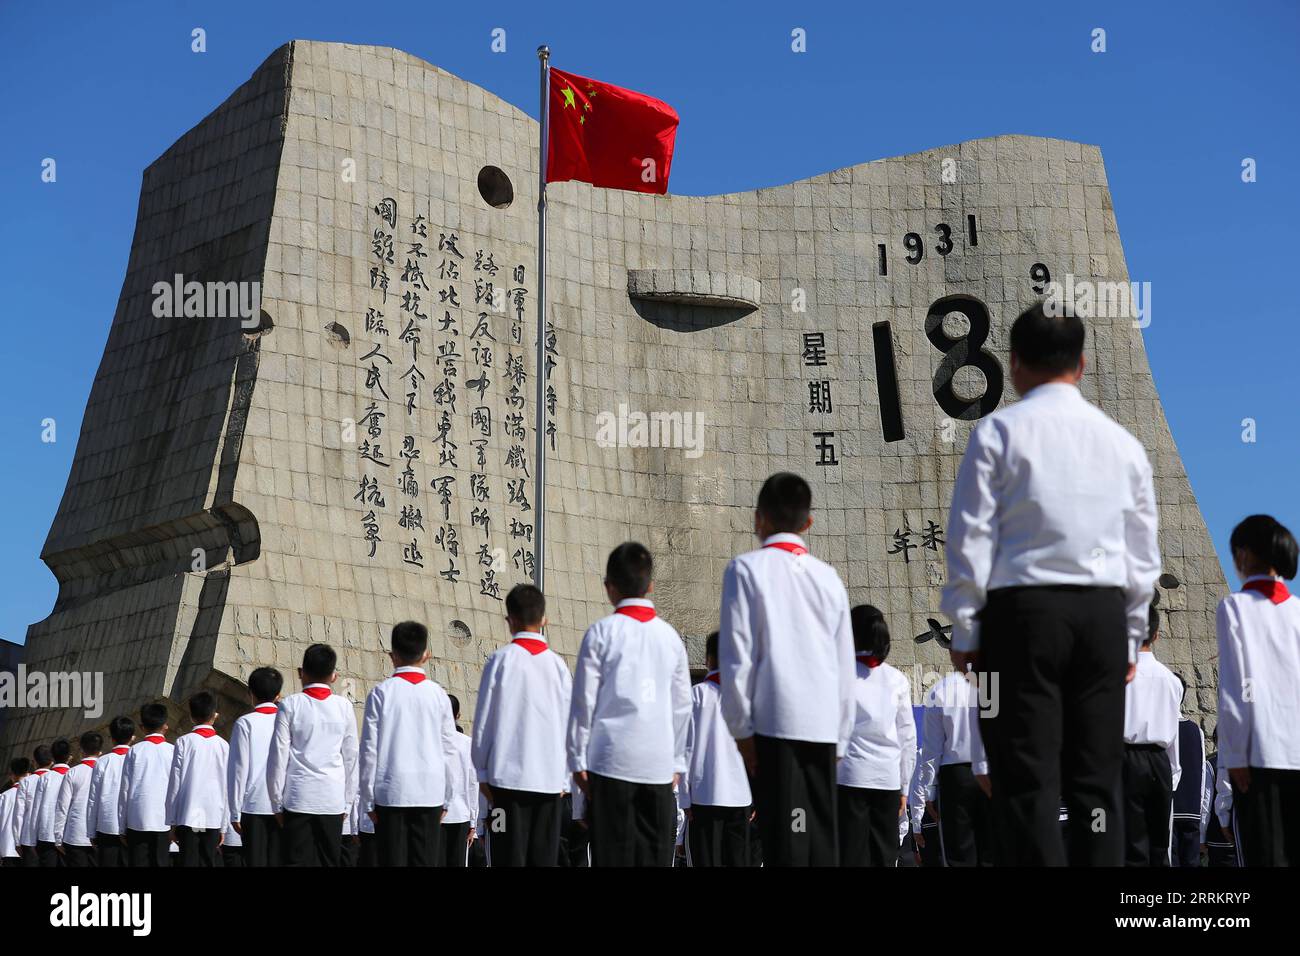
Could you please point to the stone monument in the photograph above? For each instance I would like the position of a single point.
(359, 450)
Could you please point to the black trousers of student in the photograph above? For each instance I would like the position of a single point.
(109, 851)
(794, 795)
(47, 854)
(718, 836)
(29, 856)
(1185, 847)
(260, 833)
(965, 818)
(1267, 818)
(1059, 655)
(11, 861)
(232, 856)
(312, 839)
(523, 828)
(78, 857)
(367, 851)
(148, 848)
(409, 836)
(868, 826)
(455, 844)
(198, 848)
(632, 824)
(1148, 803)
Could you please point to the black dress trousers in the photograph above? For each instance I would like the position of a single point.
(632, 824)
(794, 796)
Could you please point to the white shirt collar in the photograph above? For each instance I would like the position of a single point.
(784, 537)
(635, 602)
(530, 635)
(1053, 390)
(1260, 577)
(201, 726)
(408, 669)
(306, 686)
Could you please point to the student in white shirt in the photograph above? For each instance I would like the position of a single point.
(1152, 709)
(197, 805)
(628, 720)
(407, 743)
(877, 767)
(715, 789)
(42, 758)
(103, 809)
(1259, 705)
(458, 820)
(72, 833)
(142, 797)
(311, 770)
(251, 813)
(518, 745)
(45, 803)
(1052, 560)
(19, 768)
(951, 763)
(785, 655)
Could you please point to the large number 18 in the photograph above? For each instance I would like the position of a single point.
(966, 350)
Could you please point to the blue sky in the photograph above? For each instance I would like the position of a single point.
(1182, 94)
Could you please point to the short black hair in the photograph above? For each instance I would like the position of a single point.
(410, 641)
(265, 684)
(41, 755)
(92, 742)
(711, 646)
(1153, 623)
(526, 604)
(870, 632)
(786, 501)
(61, 750)
(203, 706)
(1268, 541)
(121, 729)
(318, 663)
(152, 717)
(630, 569)
(455, 705)
(1048, 343)
(20, 766)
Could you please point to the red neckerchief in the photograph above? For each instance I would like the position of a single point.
(88, 762)
(713, 676)
(531, 644)
(156, 739)
(1273, 589)
(411, 677)
(795, 549)
(316, 693)
(61, 768)
(265, 709)
(41, 772)
(638, 612)
(205, 732)
(869, 659)
(121, 750)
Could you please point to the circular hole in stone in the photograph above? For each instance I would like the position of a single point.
(495, 187)
(1169, 581)
(956, 325)
(968, 383)
(264, 325)
(458, 633)
(337, 335)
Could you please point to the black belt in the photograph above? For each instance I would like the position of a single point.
(1155, 748)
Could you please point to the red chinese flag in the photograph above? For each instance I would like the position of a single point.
(608, 136)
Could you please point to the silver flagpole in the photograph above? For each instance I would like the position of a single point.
(539, 459)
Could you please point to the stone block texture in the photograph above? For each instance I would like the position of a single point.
(215, 518)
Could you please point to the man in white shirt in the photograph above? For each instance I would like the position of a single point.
(45, 803)
(72, 832)
(628, 721)
(103, 809)
(518, 745)
(26, 816)
(142, 798)
(715, 790)
(1052, 561)
(1152, 709)
(951, 761)
(457, 821)
(251, 813)
(785, 655)
(19, 768)
(877, 767)
(197, 806)
(311, 769)
(407, 744)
